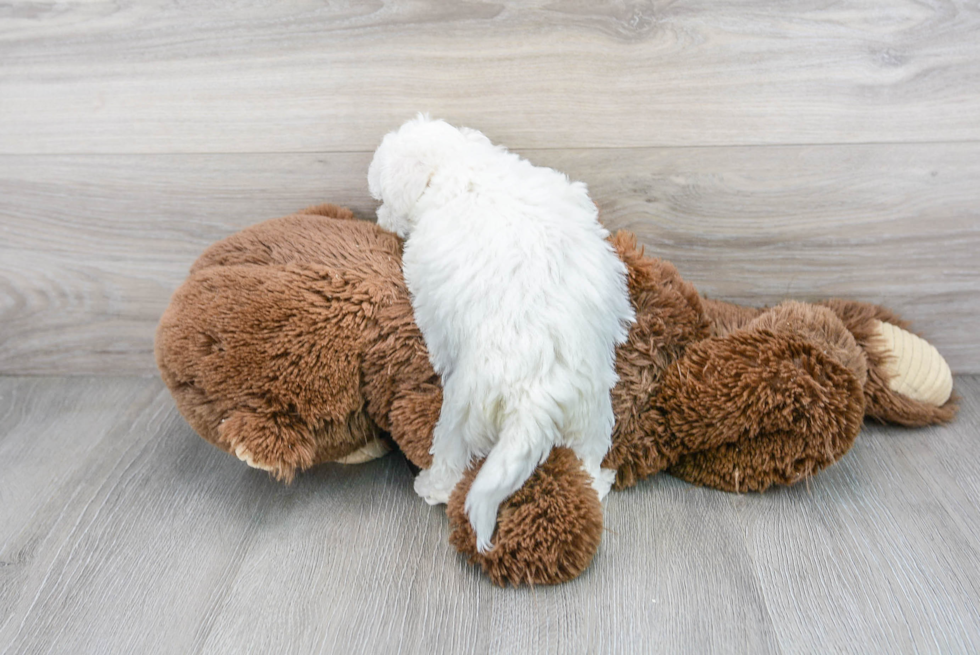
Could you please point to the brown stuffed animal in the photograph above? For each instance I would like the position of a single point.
(292, 343)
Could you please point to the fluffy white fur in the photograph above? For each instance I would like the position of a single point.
(520, 299)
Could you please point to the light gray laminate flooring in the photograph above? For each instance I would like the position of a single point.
(121, 531)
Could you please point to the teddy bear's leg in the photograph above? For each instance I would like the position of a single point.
(819, 326)
(268, 441)
(909, 382)
(771, 403)
(283, 443)
(547, 532)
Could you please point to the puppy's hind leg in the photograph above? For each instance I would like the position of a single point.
(593, 442)
(450, 452)
(602, 479)
(521, 447)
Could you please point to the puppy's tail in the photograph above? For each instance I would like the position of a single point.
(522, 446)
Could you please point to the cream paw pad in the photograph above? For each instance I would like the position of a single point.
(243, 454)
(369, 451)
(915, 368)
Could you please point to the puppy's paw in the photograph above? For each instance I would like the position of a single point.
(433, 487)
(482, 512)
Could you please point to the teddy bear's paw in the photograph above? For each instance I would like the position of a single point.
(433, 487)
(243, 454)
(914, 367)
(369, 451)
(268, 442)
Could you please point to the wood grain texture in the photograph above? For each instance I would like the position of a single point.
(137, 77)
(122, 531)
(93, 245)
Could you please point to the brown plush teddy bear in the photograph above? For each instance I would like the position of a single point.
(292, 343)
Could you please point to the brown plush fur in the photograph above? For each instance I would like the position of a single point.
(262, 347)
(761, 408)
(547, 532)
(883, 404)
(725, 317)
(669, 318)
(293, 342)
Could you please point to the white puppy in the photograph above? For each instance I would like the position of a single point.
(520, 299)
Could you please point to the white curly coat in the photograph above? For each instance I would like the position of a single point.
(521, 301)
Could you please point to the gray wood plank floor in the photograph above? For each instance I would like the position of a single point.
(121, 531)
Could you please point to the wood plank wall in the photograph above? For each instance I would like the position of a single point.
(771, 150)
